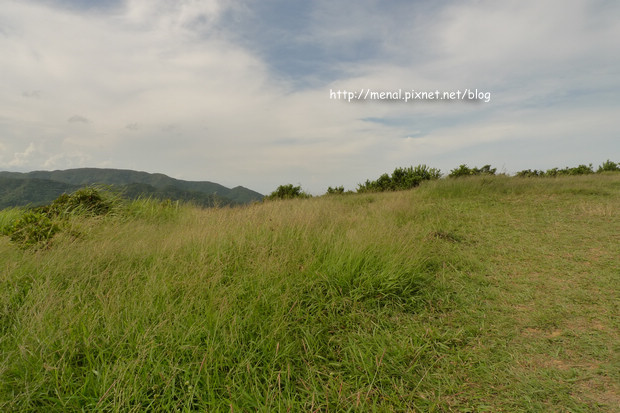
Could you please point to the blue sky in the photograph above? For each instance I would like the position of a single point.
(238, 92)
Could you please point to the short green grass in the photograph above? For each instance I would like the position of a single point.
(467, 295)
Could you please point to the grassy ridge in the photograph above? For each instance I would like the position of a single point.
(481, 294)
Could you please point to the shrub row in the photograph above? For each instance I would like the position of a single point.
(407, 178)
(607, 166)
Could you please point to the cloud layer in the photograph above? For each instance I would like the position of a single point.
(237, 92)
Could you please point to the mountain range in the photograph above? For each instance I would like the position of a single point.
(41, 187)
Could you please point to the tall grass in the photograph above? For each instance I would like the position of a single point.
(457, 295)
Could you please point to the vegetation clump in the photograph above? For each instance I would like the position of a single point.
(32, 229)
(607, 166)
(86, 201)
(579, 170)
(335, 191)
(288, 192)
(528, 173)
(464, 170)
(36, 227)
(401, 179)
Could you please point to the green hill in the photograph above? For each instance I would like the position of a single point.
(31, 191)
(41, 187)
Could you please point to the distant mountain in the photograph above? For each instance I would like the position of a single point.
(42, 187)
(21, 192)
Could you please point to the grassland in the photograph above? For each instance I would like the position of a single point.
(467, 295)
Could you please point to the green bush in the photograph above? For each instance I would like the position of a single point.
(287, 192)
(579, 170)
(36, 227)
(464, 170)
(527, 173)
(7, 217)
(401, 179)
(336, 190)
(608, 166)
(32, 229)
(87, 201)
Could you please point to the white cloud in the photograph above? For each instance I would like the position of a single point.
(71, 159)
(22, 158)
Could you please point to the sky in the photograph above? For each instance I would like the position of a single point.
(243, 92)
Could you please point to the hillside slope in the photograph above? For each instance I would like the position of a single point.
(474, 294)
(22, 192)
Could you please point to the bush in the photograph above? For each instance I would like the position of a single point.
(32, 229)
(401, 179)
(336, 190)
(464, 170)
(8, 216)
(579, 170)
(36, 227)
(86, 201)
(527, 173)
(287, 192)
(608, 166)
